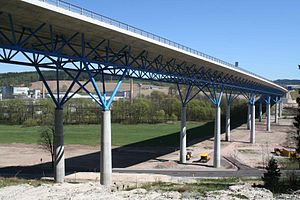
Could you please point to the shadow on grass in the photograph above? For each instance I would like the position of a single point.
(127, 155)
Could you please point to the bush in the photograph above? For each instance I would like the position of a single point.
(173, 117)
(30, 123)
(159, 116)
(271, 177)
(46, 141)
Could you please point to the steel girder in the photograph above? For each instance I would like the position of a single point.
(43, 46)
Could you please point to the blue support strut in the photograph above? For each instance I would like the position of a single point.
(102, 100)
(106, 107)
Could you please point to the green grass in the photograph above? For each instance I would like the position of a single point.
(201, 186)
(288, 164)
(122, 134)
(294, 94)
(4, 182)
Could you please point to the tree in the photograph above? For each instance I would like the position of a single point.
(271, 177)
(46, 142)
(297, 125)
(139, 110)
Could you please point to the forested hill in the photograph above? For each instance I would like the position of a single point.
(16, 79)
(24, 78)
(285, 82)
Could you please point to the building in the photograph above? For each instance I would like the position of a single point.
(10, 92)
(118, 96)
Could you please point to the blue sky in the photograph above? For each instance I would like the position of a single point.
(262, 35)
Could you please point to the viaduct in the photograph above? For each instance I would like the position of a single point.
(56, 35)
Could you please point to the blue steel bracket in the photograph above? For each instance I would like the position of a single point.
(57, 101)
(82, 86)
(230, 96)
(212, 93)
(252, 99)
(185, 99)
(276, 99)
(267, 99)
(103, 102)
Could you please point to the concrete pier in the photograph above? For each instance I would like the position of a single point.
(268, 116)
(252, 135)
(249, 116)
(276, 112)
(227, 133)
(183, 135)
(105, 157)
(260, 112)
(217, 139)
(280, 108)
(59, 151)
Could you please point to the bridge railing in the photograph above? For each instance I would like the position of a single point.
(96, 16)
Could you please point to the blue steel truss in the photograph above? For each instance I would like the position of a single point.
(107, 20)
(251, 97)
(187, 96)
(44, 47)
(213, 92)
(267, 99)
(276, 99)
(230, 96)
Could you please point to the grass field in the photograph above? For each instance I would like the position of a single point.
(141, 134)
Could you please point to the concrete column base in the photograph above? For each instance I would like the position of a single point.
(280, 108)
(183, 135)
(276, 113)
(268, 117)
(252, 135)
(227, 134)
(105, 157)
(249, 117)
(217, 139)
(260, 112)
(59, 149)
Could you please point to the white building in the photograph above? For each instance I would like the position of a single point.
(10, 92)
(20, 91)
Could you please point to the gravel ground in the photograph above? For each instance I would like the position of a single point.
(90, 191)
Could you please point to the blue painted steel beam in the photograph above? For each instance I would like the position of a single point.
(48, 88)
(100, 63)
(267, 99)
(212, 93)
(230, 97)
(107, 106)
(102, 100)
(75, 79)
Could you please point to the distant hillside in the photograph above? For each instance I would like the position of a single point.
(285, 82)
(26, 78)
(23, 78)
